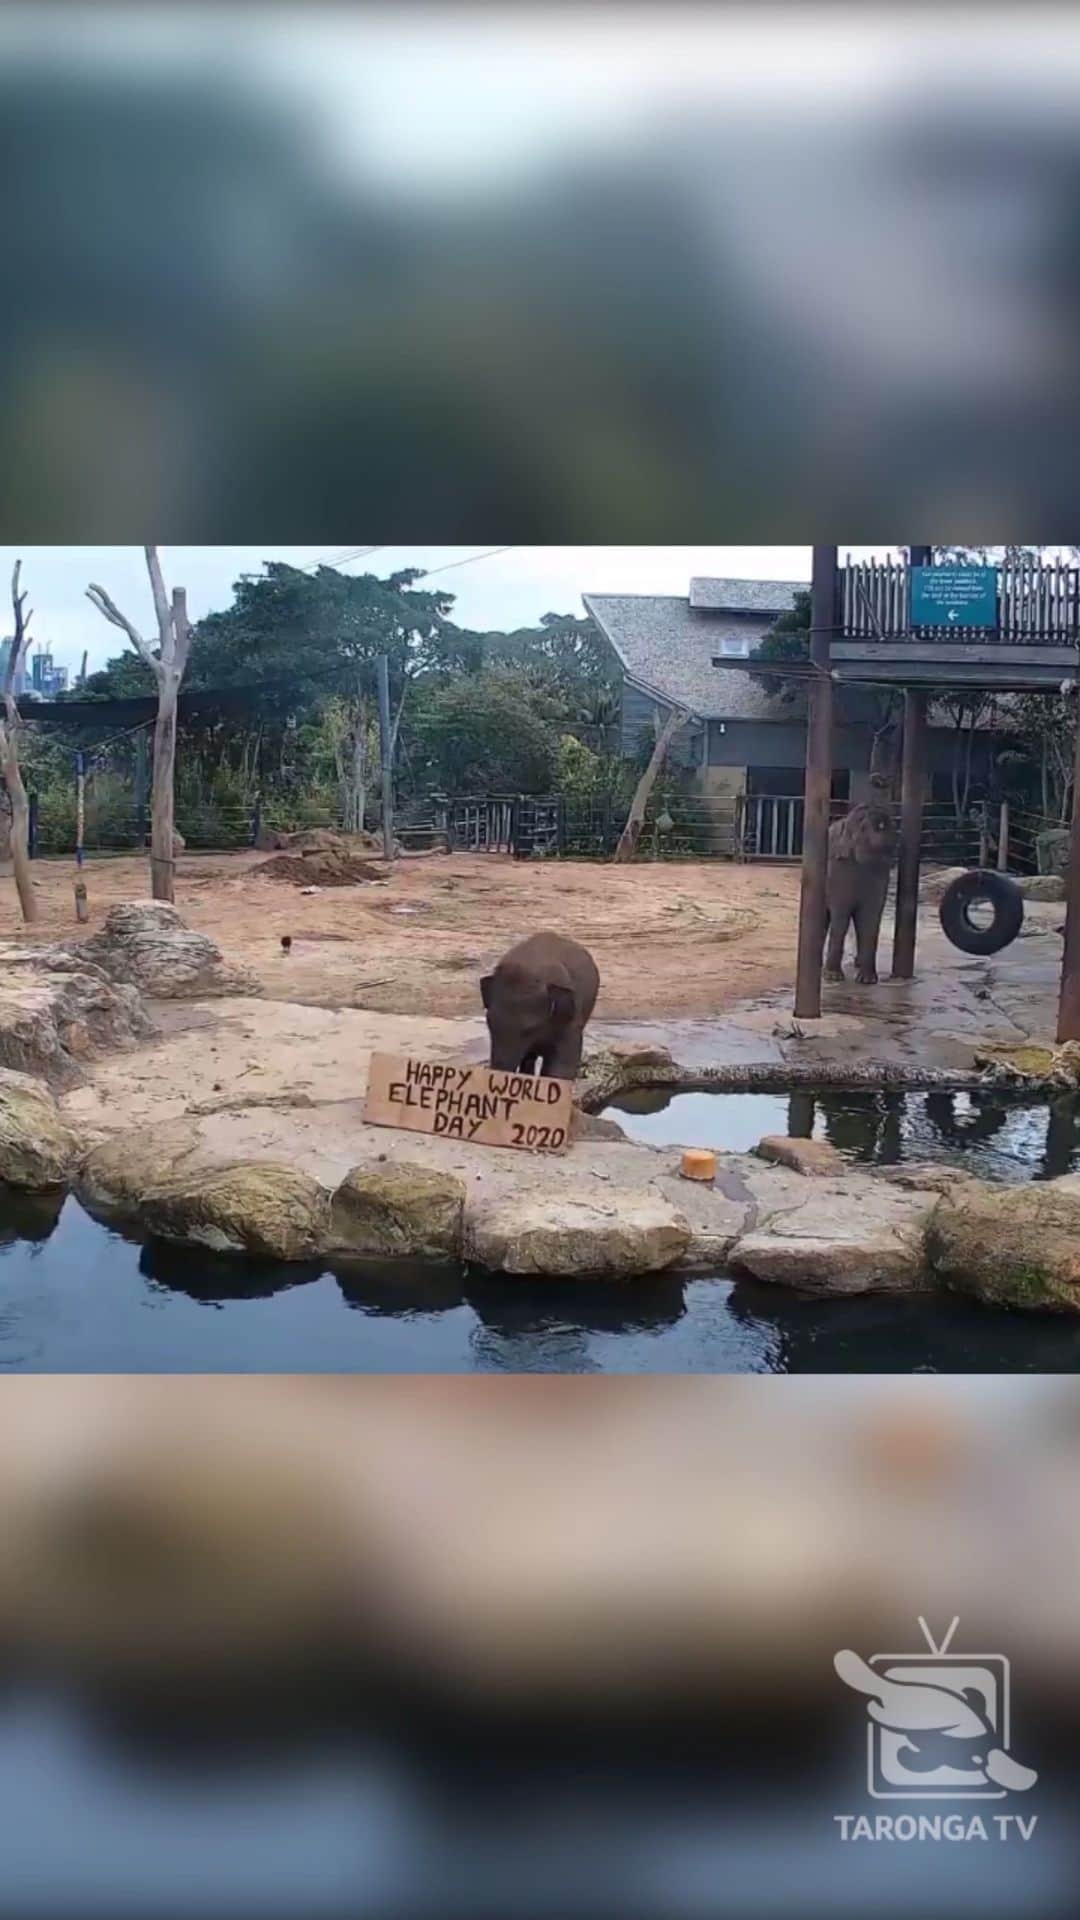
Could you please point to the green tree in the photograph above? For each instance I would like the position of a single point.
(786, 643)
(490, 731)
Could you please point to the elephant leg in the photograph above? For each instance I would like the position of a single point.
(868, 912)
(562, 1058)
(834, 949)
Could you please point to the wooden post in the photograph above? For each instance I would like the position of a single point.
(1068, 1027)
(984, 837)
(80, 806)
(1003, 838)
(912, 794)
(815, 855)
(386, 755)
(162, 859)
(31, 826)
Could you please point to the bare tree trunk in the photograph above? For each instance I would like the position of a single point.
(167, 666)
(162, 857)
(20, 818)
(9, 757)
(635, 819)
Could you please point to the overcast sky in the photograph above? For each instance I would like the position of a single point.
(503, 590)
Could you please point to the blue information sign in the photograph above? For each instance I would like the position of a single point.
(954, 596)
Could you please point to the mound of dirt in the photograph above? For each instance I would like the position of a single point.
(317, 840)
(322, 867)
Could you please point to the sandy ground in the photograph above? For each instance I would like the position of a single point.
(678, 940)
(697, 957)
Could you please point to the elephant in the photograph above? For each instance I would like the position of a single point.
(537, 1002)
(862, 848)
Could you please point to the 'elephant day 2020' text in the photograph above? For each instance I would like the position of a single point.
(476, 1104)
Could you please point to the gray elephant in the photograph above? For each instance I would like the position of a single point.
(537, 1002)
(862, 848)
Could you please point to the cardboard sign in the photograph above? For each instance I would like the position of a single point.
(459, 1102)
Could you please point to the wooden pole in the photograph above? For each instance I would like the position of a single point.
(386, 754)
(912, 794)
(1068, 1027)
(815, 857)
(80, 806)
(1003, 838)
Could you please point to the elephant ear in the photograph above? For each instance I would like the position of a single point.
(485, 988)
(560, 1004)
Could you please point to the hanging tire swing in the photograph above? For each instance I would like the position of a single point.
(982, 888)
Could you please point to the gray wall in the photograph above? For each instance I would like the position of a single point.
(772, 743)
(688, 748)
(769, 743)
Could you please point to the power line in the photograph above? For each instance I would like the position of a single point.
(470, 561)
(350, 554)
(343, 559)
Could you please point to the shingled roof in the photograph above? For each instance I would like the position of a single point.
(768, 597)
(666, 646)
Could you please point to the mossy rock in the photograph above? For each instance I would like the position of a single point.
(1031, 1061)
(117, 1172)
(401, 1208)
(1011, 1246)
(38, 1149)
(259, 1208)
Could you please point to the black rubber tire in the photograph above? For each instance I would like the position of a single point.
(996, 890)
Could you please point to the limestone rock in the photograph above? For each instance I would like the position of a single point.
(928, 1178)
(810, 1157)
(594, 1126)
(146, 944)
(865, 1239)
(398, 1209)
(248, 1206)
(1041, 886)
(1011, 1246)
(621, 1067)
(37, 1147)
(57, 1008)
(936, 880)
(116, 1173)
(573, 1233)
(634, 1053)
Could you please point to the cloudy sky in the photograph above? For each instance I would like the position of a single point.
(504, 589)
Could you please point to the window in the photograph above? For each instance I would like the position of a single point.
(732, 646)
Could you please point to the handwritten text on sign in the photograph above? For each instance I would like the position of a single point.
(469, 1103)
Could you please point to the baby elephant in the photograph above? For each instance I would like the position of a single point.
(862, 847)
(537, 1002)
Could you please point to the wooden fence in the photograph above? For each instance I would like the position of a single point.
(1038, 603)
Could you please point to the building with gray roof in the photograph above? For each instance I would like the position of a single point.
(743, 739)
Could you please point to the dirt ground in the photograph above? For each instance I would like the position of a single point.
(671, 939)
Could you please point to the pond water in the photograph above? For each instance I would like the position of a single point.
(99, 1825)
(989, 1134)
(76, 1297)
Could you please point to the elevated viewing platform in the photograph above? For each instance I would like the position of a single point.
(1009, 627)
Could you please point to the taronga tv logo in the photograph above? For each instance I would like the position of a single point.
(938, 1729)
